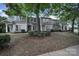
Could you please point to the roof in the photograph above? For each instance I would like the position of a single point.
(20, 22)
(53, 18)
(49, 18)
(4, 21)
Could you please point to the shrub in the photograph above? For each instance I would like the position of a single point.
(4, 40)
(30, 33)
(39, 34)
(2, 28)
(46, 33)
(56, 30)
(23, 31)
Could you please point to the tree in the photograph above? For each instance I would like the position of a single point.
(2, 24)
(67, 12)
(2, 18)
(23, 9)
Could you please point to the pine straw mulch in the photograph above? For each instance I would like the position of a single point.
(31, 46)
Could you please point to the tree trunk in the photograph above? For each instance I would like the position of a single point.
(38, 21)
(37, 16)
(72, 30)
(62, 27)
(20, 18)
(78, 27)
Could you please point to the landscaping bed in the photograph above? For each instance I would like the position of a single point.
(4, 40)
(30, 46)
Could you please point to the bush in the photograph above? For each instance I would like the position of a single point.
(4, 40)
(56, 30)
(39, 34)
(30, 33)
(2, 28)
(47, 33)
(23, 31)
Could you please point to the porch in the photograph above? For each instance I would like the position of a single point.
(15, 27)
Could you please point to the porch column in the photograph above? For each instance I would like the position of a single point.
(14, 28)
(31, 27)
(41, 27)
(45, 29)
(6, 28)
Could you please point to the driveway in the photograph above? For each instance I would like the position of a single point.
(70, 51)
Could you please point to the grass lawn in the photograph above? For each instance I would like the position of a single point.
(27, 46)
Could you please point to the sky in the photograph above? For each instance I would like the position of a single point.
(2, 7)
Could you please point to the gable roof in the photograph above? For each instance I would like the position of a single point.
(4, 21)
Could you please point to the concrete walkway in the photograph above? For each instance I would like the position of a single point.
(70, 51)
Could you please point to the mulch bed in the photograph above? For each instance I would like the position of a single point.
(31, 46)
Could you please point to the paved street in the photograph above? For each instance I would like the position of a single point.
(70, 51)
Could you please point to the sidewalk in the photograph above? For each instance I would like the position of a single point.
(70, 51)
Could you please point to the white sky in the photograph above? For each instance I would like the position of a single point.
(3, 14)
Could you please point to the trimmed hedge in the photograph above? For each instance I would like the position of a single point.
(4, 40)
(23, 31)
(56, 30)
(39, 34)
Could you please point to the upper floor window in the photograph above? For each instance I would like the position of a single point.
(34, 19)
(34, 27)
(45, 20)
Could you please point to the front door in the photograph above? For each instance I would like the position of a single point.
(29, 27)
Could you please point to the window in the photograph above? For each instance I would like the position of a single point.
(34, 27)
(34, 19)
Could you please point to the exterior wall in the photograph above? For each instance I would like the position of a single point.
(21, 22)
(12, 27)
(21, 27)
(46, 24)
(14, 18)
